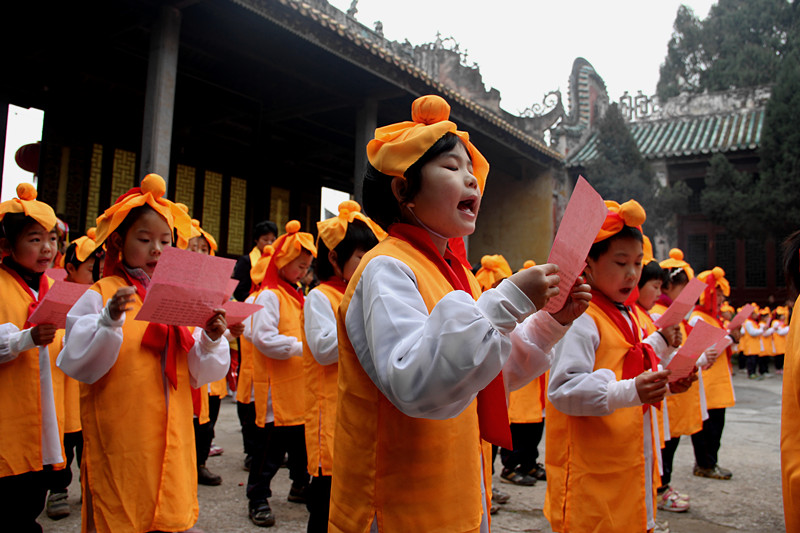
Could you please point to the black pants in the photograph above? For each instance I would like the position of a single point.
(779, 361)
(752, 362)
(318, 503)
(742, 360)
(73, 447)
(204, 433)
(667, 456)
(22, 499)
(526, 439)
(706, 442)
(247, 419)
(763, 364)
(274, 442)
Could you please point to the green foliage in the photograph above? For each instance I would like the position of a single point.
(779, 183)
(730, 198)
(620, 173)
(738, 45)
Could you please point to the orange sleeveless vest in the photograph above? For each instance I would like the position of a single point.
(526, 405)
(138, 471)
(594, 458)
(717, 379)
(790, 426)
(413, 474)
(20, 394)
(283, 380)
(321, 393)
(778, 341)
(649, 327)
(750, 345)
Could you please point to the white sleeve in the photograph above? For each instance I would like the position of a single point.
(13, 341)
(265, 335)
(92, 340)
(656, 341)
(208, 360)
(429, 365)
(575, 387)
(532, 344)
(320, 328)
(783, 331)
(752, 330)
(248, 322)
(767, 332)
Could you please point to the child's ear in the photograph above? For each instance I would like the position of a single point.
(116, 240)
(400, 189)
(5, 246)
(70, 268)
(333, 257)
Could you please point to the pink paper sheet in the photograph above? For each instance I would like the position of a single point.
(737, 321)
(682, 304)
(582, 220)
(186, 288)
(56, 274)
(236, 312)
(57, 302)
(702, 336)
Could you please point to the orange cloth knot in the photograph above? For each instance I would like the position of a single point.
(494, 268)
(27, 204)
(620, 215)
(333, 230)
(676, 261)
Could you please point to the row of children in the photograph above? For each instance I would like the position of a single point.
(407, 363)
(763, 339)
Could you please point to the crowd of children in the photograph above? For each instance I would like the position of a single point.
(387, 381)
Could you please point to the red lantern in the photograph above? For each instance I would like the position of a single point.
(27, 157)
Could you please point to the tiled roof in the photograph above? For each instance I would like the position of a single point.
(406, 66)
(682, 136)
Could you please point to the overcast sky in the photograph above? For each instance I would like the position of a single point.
(525, 48)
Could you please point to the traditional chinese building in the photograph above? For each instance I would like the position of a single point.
(248, 108)
(678, 138)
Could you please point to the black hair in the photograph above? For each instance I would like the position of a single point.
(379, 201)
(263, 228)
(675, 276)
(131, 218)
(14, 225)
(71, 258)
(601, 247)
(651, 271)
(357, 237)
(791, 261)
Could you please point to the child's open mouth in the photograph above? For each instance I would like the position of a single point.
(468, 206)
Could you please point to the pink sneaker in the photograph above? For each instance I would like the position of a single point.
(671, 501)
(215, 450)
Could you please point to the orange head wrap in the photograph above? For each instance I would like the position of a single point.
(197, 231)
(676, 261)
(727, 308)
(150, 193)
(289, 245)
(398, 146)
(527, 264)
(628, 214)
(647, 249)
(259, 269)
(764, 311)
(183, 240)
(713, 278)
(86, 245)
(493, 269)
(27, 204)
(333, 230)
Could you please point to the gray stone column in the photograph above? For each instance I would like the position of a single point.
(159, 103)
(366, 122)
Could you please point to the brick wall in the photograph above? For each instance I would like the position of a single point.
(212, 203)
(93, 195)
(236, 216)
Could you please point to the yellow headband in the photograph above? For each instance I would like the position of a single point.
(676, 261)
(27, 204)
(86, 245)
(150, 193)
(290, 244)
(333, 230)
(398, 146)
(197, 231)
(628, 214)
(493, 269)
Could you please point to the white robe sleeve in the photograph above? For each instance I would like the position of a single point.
(320, 328)
(13, 341)
(575, 387)
(208, 360)
(265, 335)
(433, 365)
(92, 340)
(751, 330)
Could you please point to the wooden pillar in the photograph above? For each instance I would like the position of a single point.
(159, 103)
(366, 122)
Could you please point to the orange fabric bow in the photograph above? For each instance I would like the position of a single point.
(494, 268)
(620, 215)
(333, 230)
(27, 204)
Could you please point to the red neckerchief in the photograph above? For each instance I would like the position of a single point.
(492, 406)
(336, 283)
(158, 336)
(44, 285)
(640, 356)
